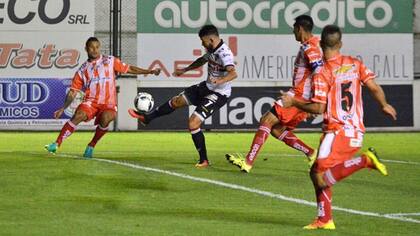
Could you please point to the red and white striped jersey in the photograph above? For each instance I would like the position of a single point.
(339, 85)
(308, 60)
(97, 79)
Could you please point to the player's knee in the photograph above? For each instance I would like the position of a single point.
(268, 119)
(79, 117)
(277, 131)
(194, 123)
(104, 122)
(177, 102)
(318, 180)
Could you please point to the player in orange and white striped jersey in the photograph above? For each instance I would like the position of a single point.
(96, 78)
(338, 95)
(280, 121)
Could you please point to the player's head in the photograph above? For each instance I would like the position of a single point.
(303, 26)
(209, 36)
(331, 38)
(93, 47)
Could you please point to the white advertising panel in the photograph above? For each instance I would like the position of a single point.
(45, 38)
(271, 57)
(41, 47)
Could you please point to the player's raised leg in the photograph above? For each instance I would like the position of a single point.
(164, 109)
(290, 139)
(105, 118)
(267, 121)
(68, 128)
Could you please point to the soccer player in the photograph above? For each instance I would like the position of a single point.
(208, 96)
(338, 95)
(281, 121)
(96, 78)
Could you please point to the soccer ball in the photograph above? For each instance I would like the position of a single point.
(143, 102)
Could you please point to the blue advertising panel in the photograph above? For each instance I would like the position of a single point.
(30, 103)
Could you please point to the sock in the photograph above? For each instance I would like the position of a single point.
(65, 132)
(323, 199)
(161, 110)
(341, 171)
(200, 143)
(259, 139)
(290, 139)
(98, 135)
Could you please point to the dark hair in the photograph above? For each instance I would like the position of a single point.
(330, 36)
(208, 30)
(91, 39)
(305, 22)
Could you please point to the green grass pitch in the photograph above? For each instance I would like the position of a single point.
(41, 194)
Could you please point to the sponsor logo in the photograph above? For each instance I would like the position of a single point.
(240, 111)
(271, 14)
(253, 152)
(23, 92)
(344, 69)
(352, 162)
(25, 13)
(44, 58)
(18, 96)
(195, 73)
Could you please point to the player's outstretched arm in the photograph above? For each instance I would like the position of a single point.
(379, 95)
(313, 107)
(69, 99)
(197, 63)
(140, 71)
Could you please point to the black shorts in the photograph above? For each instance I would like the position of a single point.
(205, 100)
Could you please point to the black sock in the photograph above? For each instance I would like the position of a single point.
(200, 143)
(161, 110)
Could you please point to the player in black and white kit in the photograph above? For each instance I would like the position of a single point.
(208, 96)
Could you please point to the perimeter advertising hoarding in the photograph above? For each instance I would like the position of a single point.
(246, 106)
(41, 47)
(45, 38)
(260, 35)
(30, 103)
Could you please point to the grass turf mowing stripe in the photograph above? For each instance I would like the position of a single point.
(302, 156)
(251, 190)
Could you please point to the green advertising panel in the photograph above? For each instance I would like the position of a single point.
(273, 16)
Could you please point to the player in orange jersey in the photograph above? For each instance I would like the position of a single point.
(280, 121)
(338, 95)
(96, 78)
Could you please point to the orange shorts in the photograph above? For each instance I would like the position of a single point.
(336, 148)
(289, 117)
(95, 110)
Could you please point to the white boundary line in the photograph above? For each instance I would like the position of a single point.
(247, 189)
(404, 214)
(297, 155)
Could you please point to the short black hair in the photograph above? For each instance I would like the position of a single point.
(91, 39)
(330, 36)
(208, 30)
(305, 22)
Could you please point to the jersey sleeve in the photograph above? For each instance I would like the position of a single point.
(365, 73)
(227, 58)
(206, 56)
(314, 56)
(320, 88)
(119, 66)
(77, 82)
